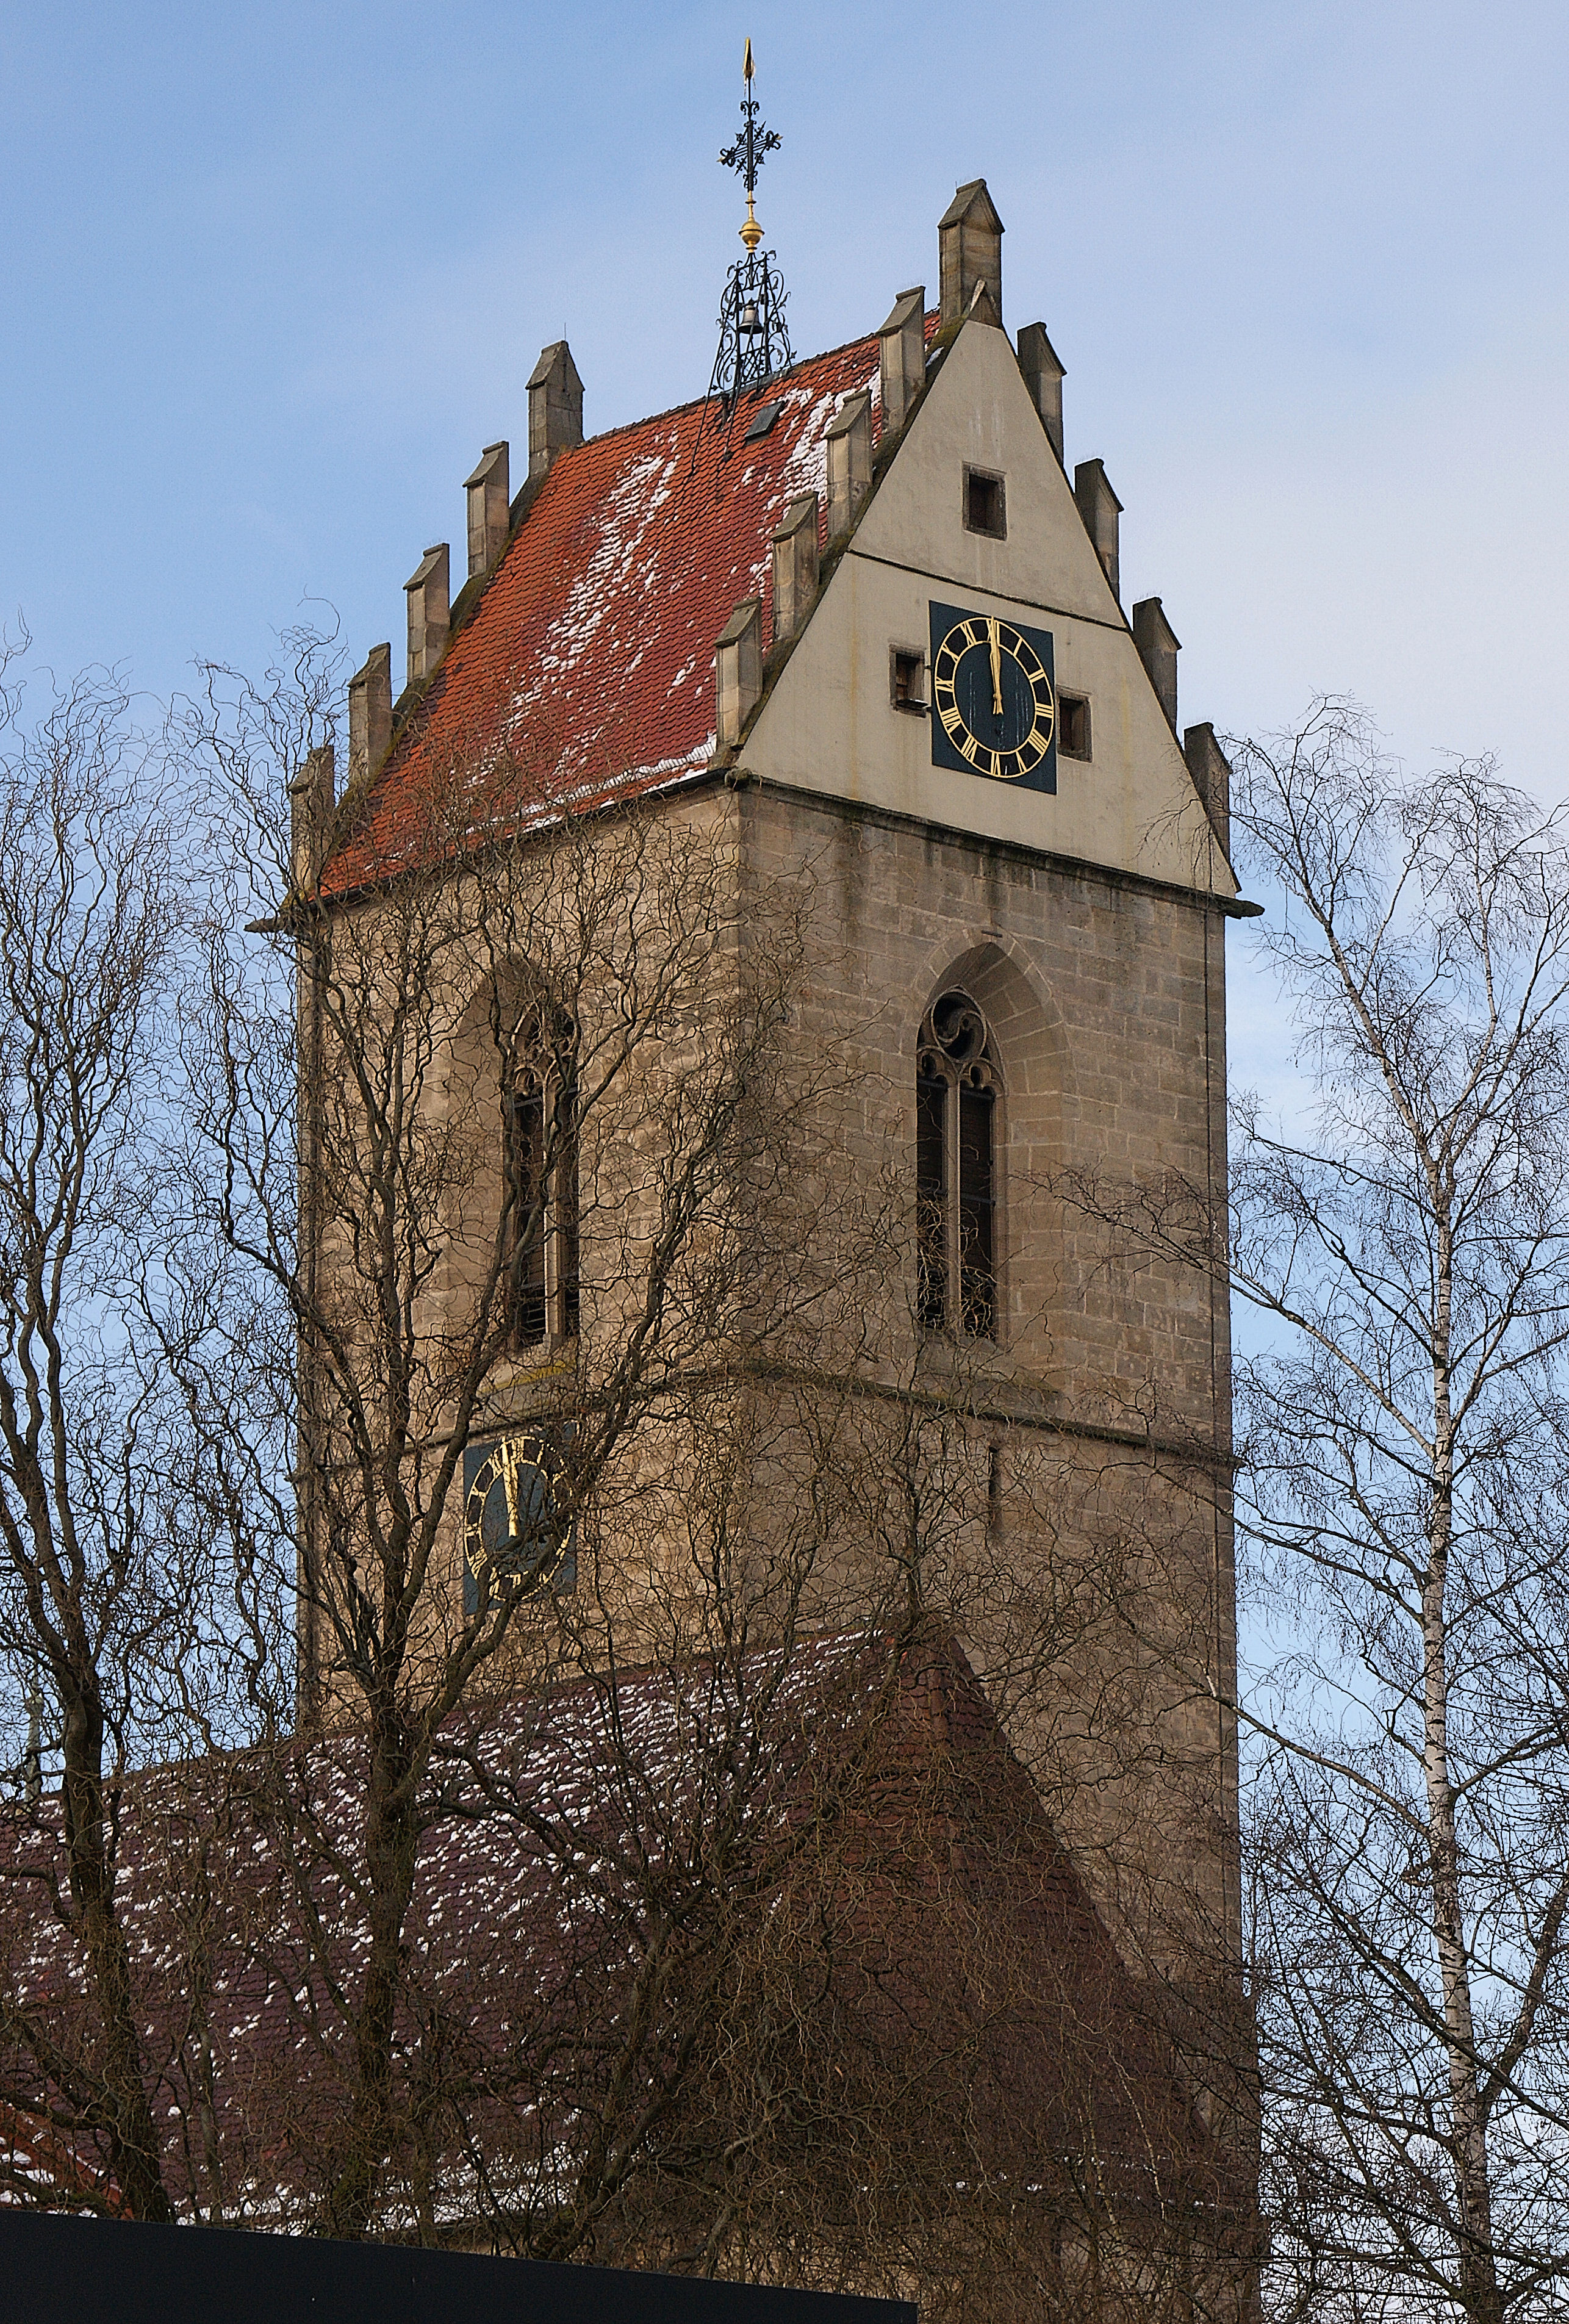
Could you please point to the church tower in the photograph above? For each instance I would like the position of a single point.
(849, 627)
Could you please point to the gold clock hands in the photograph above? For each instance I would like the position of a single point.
(996, 665)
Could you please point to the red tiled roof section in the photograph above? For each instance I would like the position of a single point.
(41, 2170)
(936, 1891)
(588, 665)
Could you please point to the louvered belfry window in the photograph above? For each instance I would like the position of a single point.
(956, 1091)
(540, 1153)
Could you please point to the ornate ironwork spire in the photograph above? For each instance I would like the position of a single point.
(754, 342)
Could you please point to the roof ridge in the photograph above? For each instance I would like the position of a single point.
(694, 403)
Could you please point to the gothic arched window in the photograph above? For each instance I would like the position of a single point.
(541, 1155)
(956, 1090)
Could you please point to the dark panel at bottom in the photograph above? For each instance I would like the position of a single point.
(108, 2272)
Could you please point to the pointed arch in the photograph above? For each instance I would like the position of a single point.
(513, 1077)
(990, 1068)
(957, 1083)
(540, 1189)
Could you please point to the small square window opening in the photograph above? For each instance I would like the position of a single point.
(1072, 726)
(906, 678)
(985, 507)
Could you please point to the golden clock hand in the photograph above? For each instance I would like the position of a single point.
(996, 666)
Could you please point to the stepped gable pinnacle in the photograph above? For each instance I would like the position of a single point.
(587, 670)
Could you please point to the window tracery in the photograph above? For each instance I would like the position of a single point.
(957, 1086)
(539, 1145)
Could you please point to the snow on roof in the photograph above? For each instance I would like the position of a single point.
(43, 2171)
(555, 1824)
(588, 666)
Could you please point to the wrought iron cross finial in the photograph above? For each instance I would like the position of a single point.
(756, 139)
(754, 342)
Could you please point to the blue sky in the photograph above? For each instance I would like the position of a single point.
(273, 274)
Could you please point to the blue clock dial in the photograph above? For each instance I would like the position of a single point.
(514, 1527)
(993, 703)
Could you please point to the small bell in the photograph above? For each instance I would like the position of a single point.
(750, 323)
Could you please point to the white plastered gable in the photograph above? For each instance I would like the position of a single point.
(829, 723)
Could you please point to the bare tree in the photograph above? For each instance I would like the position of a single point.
(521, 1142)
(483, 1275)
(114, 1645)
(1404, 1238)
(524, 1168)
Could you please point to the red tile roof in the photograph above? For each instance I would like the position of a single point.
(527, 1929)
(589, 661)
(41, 2170)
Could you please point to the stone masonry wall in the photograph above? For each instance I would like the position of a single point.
(1110, 1380)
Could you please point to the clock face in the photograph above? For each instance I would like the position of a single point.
(993, 700)
(513, 1526)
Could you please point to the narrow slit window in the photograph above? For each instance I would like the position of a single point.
(931, 1099)
(567, 1221)
(541, 1155)
(526, 1171)
(957, 1092)
(977, 1279)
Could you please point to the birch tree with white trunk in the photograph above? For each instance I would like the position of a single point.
(1402, 1501)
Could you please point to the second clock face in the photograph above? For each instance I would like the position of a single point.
(994, 708)
(513, 1524)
